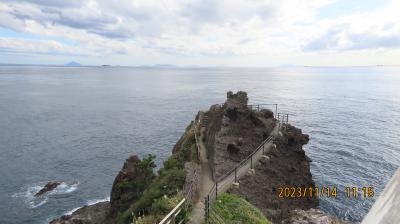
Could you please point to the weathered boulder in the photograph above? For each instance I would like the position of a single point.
(48, 187)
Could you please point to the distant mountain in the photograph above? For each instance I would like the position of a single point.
(72, 64)
(158, 66)
(291, 66)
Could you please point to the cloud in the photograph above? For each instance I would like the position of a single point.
(194, 28)
(360, 31)
(342, 38)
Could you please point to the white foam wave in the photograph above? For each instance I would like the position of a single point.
(89, 202)
(65, 188)
(28, 195)
(95, 201)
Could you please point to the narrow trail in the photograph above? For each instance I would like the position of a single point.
(206, 182)
(198, 212)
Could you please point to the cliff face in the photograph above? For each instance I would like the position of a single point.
(130, 183)
(234, 131)
(288, 166)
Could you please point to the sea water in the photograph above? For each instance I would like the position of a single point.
(78, 125)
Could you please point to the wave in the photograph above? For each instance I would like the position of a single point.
(28, 194)
(88, 203)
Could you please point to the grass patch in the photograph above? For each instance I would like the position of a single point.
(234, 209)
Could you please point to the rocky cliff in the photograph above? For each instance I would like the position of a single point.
(287, 166)
(232, 131)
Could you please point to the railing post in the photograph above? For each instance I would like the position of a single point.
(258, 107)
(235, 175)
(263, 149)
(251, 162)
(287, 118)
(173, 219)
(216, 190)
(206, 206)
(276, 109)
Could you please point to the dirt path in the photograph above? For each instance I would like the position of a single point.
(206, 184)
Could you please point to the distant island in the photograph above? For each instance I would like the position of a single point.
(72, 64)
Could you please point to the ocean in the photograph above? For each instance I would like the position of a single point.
(77, 125)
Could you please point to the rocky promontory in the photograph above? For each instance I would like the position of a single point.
(228, 133)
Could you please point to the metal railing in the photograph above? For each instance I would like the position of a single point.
(259, 107)
(170, 218)
(225, 182)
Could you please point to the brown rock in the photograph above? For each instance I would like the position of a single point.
(92, 214)
(129, 184)
(48, 187)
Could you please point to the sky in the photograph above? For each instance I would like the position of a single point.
(201, 32)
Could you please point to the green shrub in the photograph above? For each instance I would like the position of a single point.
(234, 209)
(168, 183)
(170, 180)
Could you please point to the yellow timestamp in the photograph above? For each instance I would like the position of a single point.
(354, 192)
(323, 191)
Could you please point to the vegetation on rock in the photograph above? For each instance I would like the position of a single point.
(155, 200)
(234, 209)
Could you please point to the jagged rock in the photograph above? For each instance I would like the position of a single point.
(129, 184)
(234, 132)
(92, 214)
(48, 187)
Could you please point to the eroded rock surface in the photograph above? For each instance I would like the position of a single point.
(93, 214)
(286, 166)
(233, 131)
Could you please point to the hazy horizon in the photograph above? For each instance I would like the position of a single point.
(201, 33)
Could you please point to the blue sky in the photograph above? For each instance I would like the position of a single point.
(201, 32)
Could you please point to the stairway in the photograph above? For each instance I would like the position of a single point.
(204, 121)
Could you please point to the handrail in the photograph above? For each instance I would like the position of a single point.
(170, 218)
(239, 165)
(246, 159)
(258, 106)
(213, 193)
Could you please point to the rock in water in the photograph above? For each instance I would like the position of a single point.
(48, 187)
